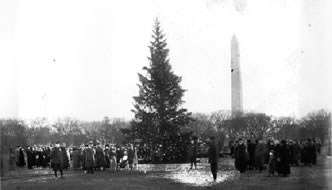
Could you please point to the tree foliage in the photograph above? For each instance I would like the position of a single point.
(158, 112)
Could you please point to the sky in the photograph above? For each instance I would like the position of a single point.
(81, 58)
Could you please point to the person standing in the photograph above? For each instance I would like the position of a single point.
(213, 154)
(89, 158)
(113, 159)
(241, 157)
(107, 155)
(131, 155)
(284, 159)
(76, 158)
(30, 156)
(119, 155)
(251, 152)
(100, 157)
(260, 155)
(57, 159)
(192, 153)
(11, 159)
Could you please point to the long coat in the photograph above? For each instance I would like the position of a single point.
(241, 158)
(76, 159)
(192, 152)
(88, 157)
(213, 153)
(100, 157)
(260, 154)
(57, 157)
(284, 157)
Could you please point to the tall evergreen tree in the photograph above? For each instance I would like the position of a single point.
(158, 112)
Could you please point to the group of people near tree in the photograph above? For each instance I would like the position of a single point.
(89, 157)
(274, 155)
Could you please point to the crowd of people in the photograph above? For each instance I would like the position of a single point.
(274, 155)
(88, 157)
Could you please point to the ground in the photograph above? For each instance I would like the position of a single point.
(173, 176)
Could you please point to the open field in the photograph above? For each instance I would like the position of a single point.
(173, 176)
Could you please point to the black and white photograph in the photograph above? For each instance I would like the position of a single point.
(165, 94)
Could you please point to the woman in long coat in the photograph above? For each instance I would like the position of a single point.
(241, 157)
(284, 159)
(260, 155)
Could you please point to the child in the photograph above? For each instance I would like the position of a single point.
(272, 163)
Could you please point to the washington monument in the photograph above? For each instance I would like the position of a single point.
(236, 81)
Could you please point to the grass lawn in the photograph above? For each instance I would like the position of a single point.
(316, 177)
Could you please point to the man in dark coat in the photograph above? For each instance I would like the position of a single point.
(213, 154)
(57, 159)
(30, 157)
(260, 151)
(119, 155)
(100, 157)
(241, 157)
(89, 158)
(107, 155)
(192, 153)
(251, 152)
(284, 159)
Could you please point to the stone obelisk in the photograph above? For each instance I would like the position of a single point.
(236, 81)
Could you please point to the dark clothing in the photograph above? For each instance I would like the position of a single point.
(259, 155)
(57, 160)
(213, 154)
(21, 161)
(284, 158)
(89, 159)
(251, 152)
(241, 158)
(30, 159)
(76, 159)
(131, 155)
(66, 159)
(107, 157)
(119, 155)
(214, 170)
(192, 155)
(100, 158)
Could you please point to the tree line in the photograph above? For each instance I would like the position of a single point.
(15, 132)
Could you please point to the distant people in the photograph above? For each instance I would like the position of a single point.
(296, 154)
(89, 158)
(76, 158)
(213, 154)
(12, 159)
(260, 155)
(131, 155)
(21, 160)
(65, 156)
(113, 162)
(119, 155)
(30, 158)
(107, 156)
(241, 157)
(272, 163)
(251, 152)
(284, 159)
(135, 158)
(57, 159)
(192, 153)
(100, 158)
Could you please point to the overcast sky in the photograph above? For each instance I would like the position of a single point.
(81, 58)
